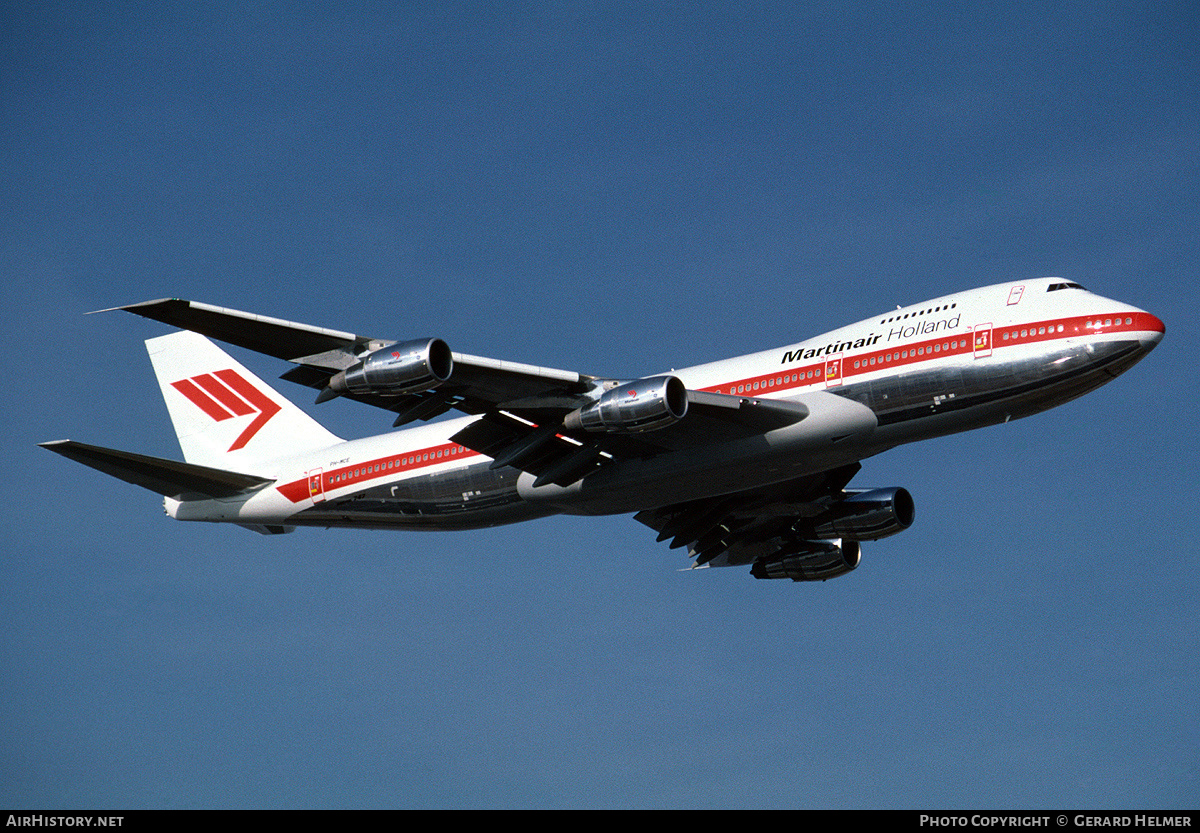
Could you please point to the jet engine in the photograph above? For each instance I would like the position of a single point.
(405, 367)
(809, 561)
(863, 516)
(642, 405)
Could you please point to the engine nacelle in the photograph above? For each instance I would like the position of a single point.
(864, 516)
(405, 367)
(810, 561)
(642, 405)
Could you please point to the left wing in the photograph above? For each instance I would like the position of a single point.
(531, 415)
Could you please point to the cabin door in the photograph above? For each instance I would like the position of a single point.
(316, 486)
(983, 341)
(833, 372)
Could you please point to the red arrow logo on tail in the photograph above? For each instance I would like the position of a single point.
(224, 395)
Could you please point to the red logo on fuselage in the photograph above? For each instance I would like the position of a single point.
(224, 395)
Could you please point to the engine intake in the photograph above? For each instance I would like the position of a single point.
(642, 405)
(864, 516)
(400, 368)
(810, 561)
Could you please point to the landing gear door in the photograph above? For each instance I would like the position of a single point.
(316, 486)
(983, 340)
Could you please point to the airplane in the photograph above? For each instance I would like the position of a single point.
(745, 461)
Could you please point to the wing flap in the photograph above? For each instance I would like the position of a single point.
(539, 450)
(758, 414)
(711, 418)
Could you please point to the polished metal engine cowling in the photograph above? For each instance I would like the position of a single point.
(642, 405)
(404, 367)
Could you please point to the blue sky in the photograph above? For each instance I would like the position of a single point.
(616, 189)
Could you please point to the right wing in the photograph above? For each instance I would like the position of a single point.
(744, 527)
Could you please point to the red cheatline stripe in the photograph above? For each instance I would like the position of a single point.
(201, 399)
(814, 374)
(381, 467)
(223, 394)
(295, 491)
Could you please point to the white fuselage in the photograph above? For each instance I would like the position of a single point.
(950, 364)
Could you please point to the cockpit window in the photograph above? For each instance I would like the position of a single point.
(1055, 286)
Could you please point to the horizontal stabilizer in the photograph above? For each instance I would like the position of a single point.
(165, 477)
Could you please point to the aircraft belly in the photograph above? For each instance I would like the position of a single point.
(368, 514)
(466, 497)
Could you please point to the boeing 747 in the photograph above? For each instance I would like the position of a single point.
(745, 461)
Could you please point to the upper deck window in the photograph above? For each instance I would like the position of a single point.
(941, 308)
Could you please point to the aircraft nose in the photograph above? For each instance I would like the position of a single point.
(1153, 330)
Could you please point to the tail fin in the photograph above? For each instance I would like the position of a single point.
(223, 414)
